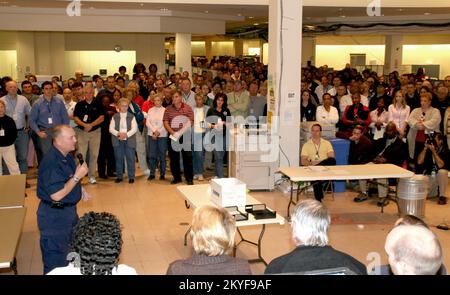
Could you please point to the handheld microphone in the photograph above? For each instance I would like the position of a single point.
(80, 158)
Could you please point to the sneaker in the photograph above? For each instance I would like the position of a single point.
(360, 198)
(442, 200)
(200, 177)
(195, 177)
(92, 180)
(147, 172)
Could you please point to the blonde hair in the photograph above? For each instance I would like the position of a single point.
(212, 231)
(122, 100)
(128, 90)
(403, 99)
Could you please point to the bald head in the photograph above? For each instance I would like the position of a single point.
(413, 250)
(11, 87)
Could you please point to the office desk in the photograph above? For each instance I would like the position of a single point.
(343, 172)
(198, 195)
(11, 222)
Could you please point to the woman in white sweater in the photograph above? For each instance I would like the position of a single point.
(327, 113)
(422, 121)
(157, 138)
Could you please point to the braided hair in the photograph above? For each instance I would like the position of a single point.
(97, 240)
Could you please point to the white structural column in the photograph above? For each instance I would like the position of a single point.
(285, 35)
(183, 53)
(393, 53)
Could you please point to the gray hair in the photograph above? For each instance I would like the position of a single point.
(310, 223)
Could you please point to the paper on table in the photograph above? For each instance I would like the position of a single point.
(317, 168)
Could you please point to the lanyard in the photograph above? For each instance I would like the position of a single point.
(317, 148)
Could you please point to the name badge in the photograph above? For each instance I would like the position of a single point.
(85, 118)
(50, 120)
(2, 132)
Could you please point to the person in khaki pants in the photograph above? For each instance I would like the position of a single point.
(8, 135)
(88, 115)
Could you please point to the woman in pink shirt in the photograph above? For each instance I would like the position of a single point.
(399, 113)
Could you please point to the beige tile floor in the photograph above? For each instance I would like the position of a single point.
(154, 220)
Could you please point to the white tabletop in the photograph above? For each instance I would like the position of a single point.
(198, 195)
(345, 172)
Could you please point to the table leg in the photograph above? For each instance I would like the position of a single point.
(260, 258)
(290, 202)
(14, 266)
(185, 236)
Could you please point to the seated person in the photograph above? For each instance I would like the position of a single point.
(310, 223)
(355, 114)
(406, 220)
(389, 149)
(96, 246)
(413, 250)
(360, 146)
(434, 161)
(212, 231)
(378, 120)
(317, 151)
(326, 113)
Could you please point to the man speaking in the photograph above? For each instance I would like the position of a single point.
(59, 190)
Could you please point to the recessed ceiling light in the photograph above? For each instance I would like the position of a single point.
(142, 4)
(308, 17)
(343, 16)
(206, 11)
(256, 24)
(239, 14)
(340, 9)
(164, 9)
(251, 17)
(400, 9)
(427, 13)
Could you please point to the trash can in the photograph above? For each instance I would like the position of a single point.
(411, 194)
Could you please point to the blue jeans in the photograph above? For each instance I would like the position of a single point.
(42, 145)
(156, 150)
(123, 151)
(21, 146)
(198, 153)
(219, 156)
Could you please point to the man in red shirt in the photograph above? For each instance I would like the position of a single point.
(178, 119)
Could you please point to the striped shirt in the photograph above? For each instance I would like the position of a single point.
(178, 118)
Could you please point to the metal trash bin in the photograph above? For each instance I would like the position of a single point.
(411, 194)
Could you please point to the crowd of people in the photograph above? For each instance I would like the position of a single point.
(402, 119)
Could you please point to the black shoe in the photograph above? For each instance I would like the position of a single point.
(151, 177)
(162, 177)
(190, 182)
(131, 180)
(118, 180)
(442, 200)
(27, 185)
(175, 181)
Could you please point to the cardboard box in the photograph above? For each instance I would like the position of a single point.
(227, 192)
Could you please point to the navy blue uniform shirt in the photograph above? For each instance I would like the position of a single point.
(54, 171)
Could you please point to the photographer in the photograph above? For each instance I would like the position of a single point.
(434, 161)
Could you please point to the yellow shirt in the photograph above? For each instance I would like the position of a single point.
(317, 152)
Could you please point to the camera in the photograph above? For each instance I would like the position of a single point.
(431, 138)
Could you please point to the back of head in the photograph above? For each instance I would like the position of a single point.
(413, 250)
(97, 240)
(310, 223)
(213, 230)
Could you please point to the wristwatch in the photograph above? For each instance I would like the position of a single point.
(76, 179)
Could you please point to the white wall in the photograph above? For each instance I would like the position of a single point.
(90, 62)
(336, 56)
(222, 48)
(438, 54)
(8, 63)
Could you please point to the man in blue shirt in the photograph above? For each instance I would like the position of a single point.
(59, 189)
(46, 113)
